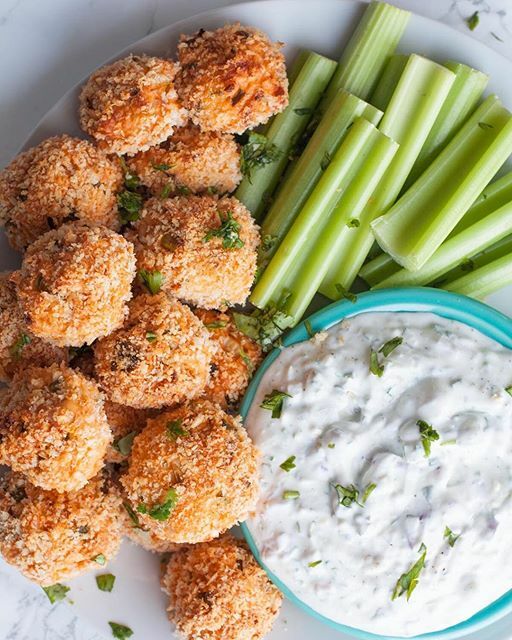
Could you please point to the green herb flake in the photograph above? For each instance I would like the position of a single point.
(427, 435)
(175, 430)
(124, 444)
(353, 223)
(345, 294)
(162, 166)
(228, 231)
(448, 443)
(56, 592)
(120, 631)
(257, 152)
(152, 280)
(213, 191)
(467, 265)
(407, 582)
(291, 495)
(375, 366)
(509, 390)
(347, 495)
(129, 204)
(451, 537)
(132, 515)
(218, 324)
(162, 511)
(389, 346)
(17, 348)
(265, 326)
(183, 191)
(368, 490)
(166, 191)
(315, 563)
(105, 582)
(473, 21)
(309, 328)
(151, 336)
(326, 161)
(288, 464)
(273, 401)
(303, 111)
(331, 445)
(246, 360)
(485, 125)
(100, 559)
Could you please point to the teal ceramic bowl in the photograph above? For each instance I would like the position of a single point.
(488, 321)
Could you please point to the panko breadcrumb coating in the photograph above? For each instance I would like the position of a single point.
(231, 79)
(51, 536)
(160, 356)
(18, 347)
(74, 283)
(60, 180)
(218, 591)
(193, 473)
(204, 247)
(53, 428)
(235, 360)
(191, 159)
(125, 423)
(131, 104)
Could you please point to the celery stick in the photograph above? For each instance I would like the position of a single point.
(310, 82)
(368, 50)
(485, 280)
(301, 177)
(388, 81)
(424, 216)
(493, 197)
(475, 238)
(462, 100)
(497, 250)
(411, 113)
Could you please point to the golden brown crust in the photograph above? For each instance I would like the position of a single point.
(53, 428)
(171, 366)
(213, 468)
(231, 79)
(131, 104)
(218, 591)
(236, 358)
(200, 161)
(51, 536)
(171, 237)
(74, 283)
(61, 179)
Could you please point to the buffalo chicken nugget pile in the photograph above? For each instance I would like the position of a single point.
(51, 536)
(131, 105)
(160, 356)
(74, 283)
(193, 473)
(190, 160)
(60, 180)
(231, 79)
(204, 248)
(53, 428)
(217, 591)
(235, 359)
(18, 347)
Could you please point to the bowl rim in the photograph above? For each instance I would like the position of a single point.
(479, 316)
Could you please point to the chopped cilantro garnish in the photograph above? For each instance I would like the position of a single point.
(212, 191)
(162, 166)
(347, 495)
(166, 191)
(291, 495)
(151, 336)
(315, 563)
(389, 346)
(331, 445)
(130, 205)
(353, 223)
(218, 324)
(447, 443)
(183, 191)
(131, 179)
(246, 360)
(17, 348)
(288, 464)
(343, 293)
(309, 328)
(407, 582)
(509, 390)
(152, 280)
(100, 559)
(132, 515)
(120, 631)
(368, 490)
(228, 231)
(257, 152)
(105, 582)
(56, 592)
(303, 111)
(427, 435)
(163, 510)
(264, 326)
(273, 401)
(175, 430)
(473, 21)
(375, 367)
(451, 537)
(124, 444)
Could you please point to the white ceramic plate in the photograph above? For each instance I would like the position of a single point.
(322, 25)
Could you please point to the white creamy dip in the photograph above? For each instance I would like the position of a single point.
(347, 426)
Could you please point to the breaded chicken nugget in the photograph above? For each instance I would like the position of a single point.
(125, 423)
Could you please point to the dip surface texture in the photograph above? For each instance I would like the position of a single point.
(397, 515)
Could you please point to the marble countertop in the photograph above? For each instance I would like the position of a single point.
(45, 48)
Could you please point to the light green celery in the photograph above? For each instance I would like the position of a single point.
(494, 196)
(341, 187)
(476, 238)
(411, 113)
(492, 253)
(424, 216)
(302, 176)
(485, 280)
(285, 129)
(368, 50)
(460, 103)
(388, 81)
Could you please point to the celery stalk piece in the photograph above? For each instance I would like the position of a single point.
(492, 253)
(388, 81)
(310, 83)
(494, 196)
(302, 176)
(424, 216)
(368, 50)
(460, 103)
(298, 265)
(485, 280)
(476, 238)
(411, 113)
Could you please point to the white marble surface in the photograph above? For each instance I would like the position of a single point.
(45, 48)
